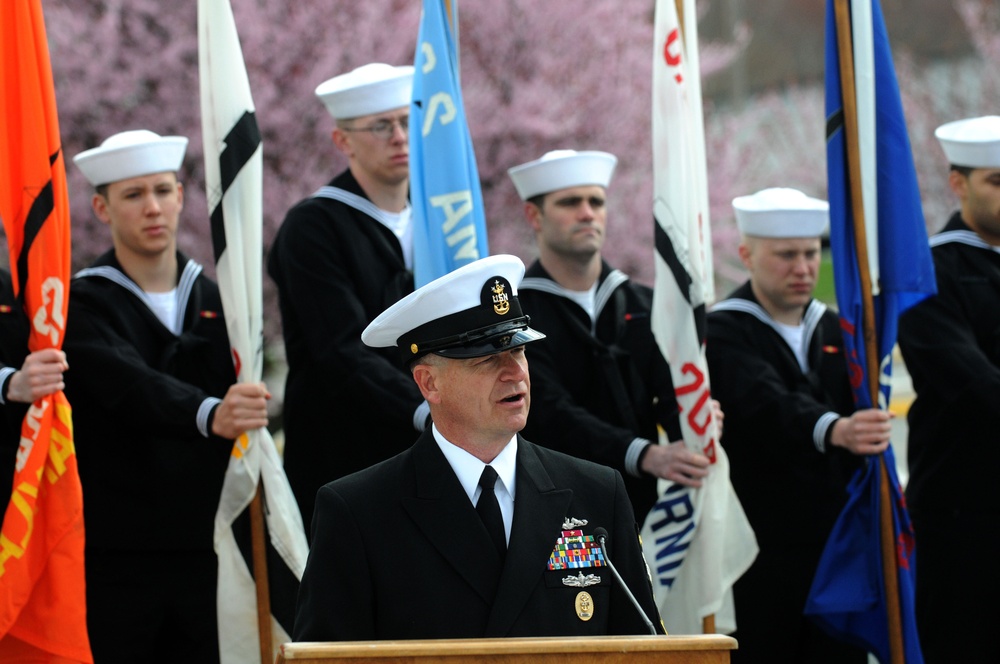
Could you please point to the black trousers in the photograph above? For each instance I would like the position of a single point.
(771, 627)
(958, 585)
(152, 606)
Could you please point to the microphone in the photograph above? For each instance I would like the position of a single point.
(601, 535)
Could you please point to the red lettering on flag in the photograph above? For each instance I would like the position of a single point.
(709, 450)
(672, 51)
(904, 549)
(702, 405)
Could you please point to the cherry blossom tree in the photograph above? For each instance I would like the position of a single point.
(535, 77)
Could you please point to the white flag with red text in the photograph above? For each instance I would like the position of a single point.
(696, 541)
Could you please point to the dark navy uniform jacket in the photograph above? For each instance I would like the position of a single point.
(399, 552)
(951, 345)
(595, 389)
(346, 406)
(151, 480)
(791, 491)
(772, 409)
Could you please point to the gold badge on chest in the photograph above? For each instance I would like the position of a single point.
(584, 606)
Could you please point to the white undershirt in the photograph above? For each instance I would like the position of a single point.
(792, 334)
(400, 225)
(164, 305)
(585, 299)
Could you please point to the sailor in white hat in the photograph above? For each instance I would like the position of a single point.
(781, 212)
(950, 344)
(562, 169)
(602, 388)
(155, 410)
(781, 247)
(470, 313)
(371, 107)
(484, 564)
(973, 149)
(341, 256)
(777, 362)
(467, 313)
(139, 197)
(131, 154)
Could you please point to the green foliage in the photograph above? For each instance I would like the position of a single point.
(825, 291)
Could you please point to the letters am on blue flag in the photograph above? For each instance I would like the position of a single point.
(848, 596)
(449, 224)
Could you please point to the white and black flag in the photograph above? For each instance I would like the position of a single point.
(234, 176)
(697, 540)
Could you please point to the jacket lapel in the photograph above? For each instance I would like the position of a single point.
(442, 511)
(539, 511)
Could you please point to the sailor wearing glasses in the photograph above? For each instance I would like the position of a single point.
(342, 256)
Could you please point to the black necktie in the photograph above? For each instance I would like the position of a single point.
(489, 510)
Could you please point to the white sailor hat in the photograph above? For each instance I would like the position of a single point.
(562, 169)
(131, 154)
(973, 143)
(781, 212)
(470, 312)
(371, 88)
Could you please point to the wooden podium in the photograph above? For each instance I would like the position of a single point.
(699, 649)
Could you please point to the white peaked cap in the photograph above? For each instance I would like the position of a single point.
(371, 88)
(562, 169)
(973, 143)
(472, 311)
(131, 154)
(781, 212)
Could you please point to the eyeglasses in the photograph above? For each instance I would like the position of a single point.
(384, 129)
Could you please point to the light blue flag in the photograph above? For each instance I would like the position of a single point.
(848, 593)
(449, 225)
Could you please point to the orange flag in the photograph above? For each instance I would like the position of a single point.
(42, 598)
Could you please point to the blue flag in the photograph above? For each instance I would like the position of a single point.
(847, 597)
(848, 592)
(449, 225)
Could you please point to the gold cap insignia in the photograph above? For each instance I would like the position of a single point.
(501, 301)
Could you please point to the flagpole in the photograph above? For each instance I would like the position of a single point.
(845, 52)
(451, 11)
(707, 622)
(258, 534)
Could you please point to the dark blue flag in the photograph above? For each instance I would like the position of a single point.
(449, 223)
(848, 592)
